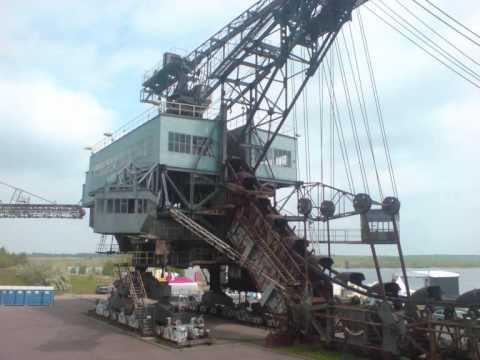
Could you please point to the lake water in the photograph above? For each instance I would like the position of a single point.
(469, 277)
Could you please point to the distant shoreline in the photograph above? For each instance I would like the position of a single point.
(411, 261)
(342, 261)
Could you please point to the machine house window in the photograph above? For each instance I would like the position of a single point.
(141, 206)
(201, 146)
(258, 150)
(100, 207)
(124, 206)
(180, 143)
(282, 158)
(109, 206)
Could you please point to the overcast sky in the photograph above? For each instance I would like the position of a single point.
(71, 70)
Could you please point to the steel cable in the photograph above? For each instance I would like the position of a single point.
(396, 17)
(423, 48)
(437, 33)
(351, 117)
(340, 133)
(446, 23)
(378, 106)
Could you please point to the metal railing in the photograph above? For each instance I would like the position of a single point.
(164, 107)
(137, 121)
(337, 236)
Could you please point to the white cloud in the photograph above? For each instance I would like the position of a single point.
(460, 126)
(40, 106)
(167, 18)
(83, 52)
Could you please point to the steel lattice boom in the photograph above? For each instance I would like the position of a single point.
(250, 63)
(41, 211)
(20, 207)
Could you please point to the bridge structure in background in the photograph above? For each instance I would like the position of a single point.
(26, 205)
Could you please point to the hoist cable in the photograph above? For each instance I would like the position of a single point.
(448, 24)
(378, 106)
(340, 133)
(423, 48)
(295, 123)
(351, 115)
(396, 17)
(368, 132)
(360, 92)
(332, 127)
(437, 33)
(321, 96)
(306, 127)
(453, 19)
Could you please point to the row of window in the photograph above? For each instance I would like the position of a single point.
(190, 144)
(276, 157)
(122, 206)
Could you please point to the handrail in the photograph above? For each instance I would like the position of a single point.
(164, 107)
(339, 236)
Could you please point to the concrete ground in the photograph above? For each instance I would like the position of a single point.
(64, 332)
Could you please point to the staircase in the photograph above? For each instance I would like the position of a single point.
(263, 273)
(204, 234)
(137, 294)
(259, 246)
(107, 246)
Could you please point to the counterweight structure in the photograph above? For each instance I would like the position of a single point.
(197, 182)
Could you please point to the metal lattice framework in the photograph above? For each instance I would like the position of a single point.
(20, 207)
(249, 64)
(254, 70)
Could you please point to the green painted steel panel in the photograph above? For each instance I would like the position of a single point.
(141, 146)
(149, 144)
(192, 127)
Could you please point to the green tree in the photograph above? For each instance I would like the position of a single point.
(10, 259)
(38, 274)
(108, 268)
(82, 270)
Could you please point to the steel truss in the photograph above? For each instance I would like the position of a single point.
(20, 207)
(252, 63)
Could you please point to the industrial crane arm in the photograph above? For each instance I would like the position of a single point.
(248, 65)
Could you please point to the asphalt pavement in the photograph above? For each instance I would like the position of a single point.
(64, 332)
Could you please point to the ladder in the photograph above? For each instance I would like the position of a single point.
(219, 244)
(138, 294)
(108, 248)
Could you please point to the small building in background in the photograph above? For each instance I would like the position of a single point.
(446, 280)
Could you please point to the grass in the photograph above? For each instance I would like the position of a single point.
(412, 261)
(81, 284)
(9, 276)
(64, 261)
(86, 284)
(317, 354)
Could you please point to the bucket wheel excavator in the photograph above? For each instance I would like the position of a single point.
(209, 180)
